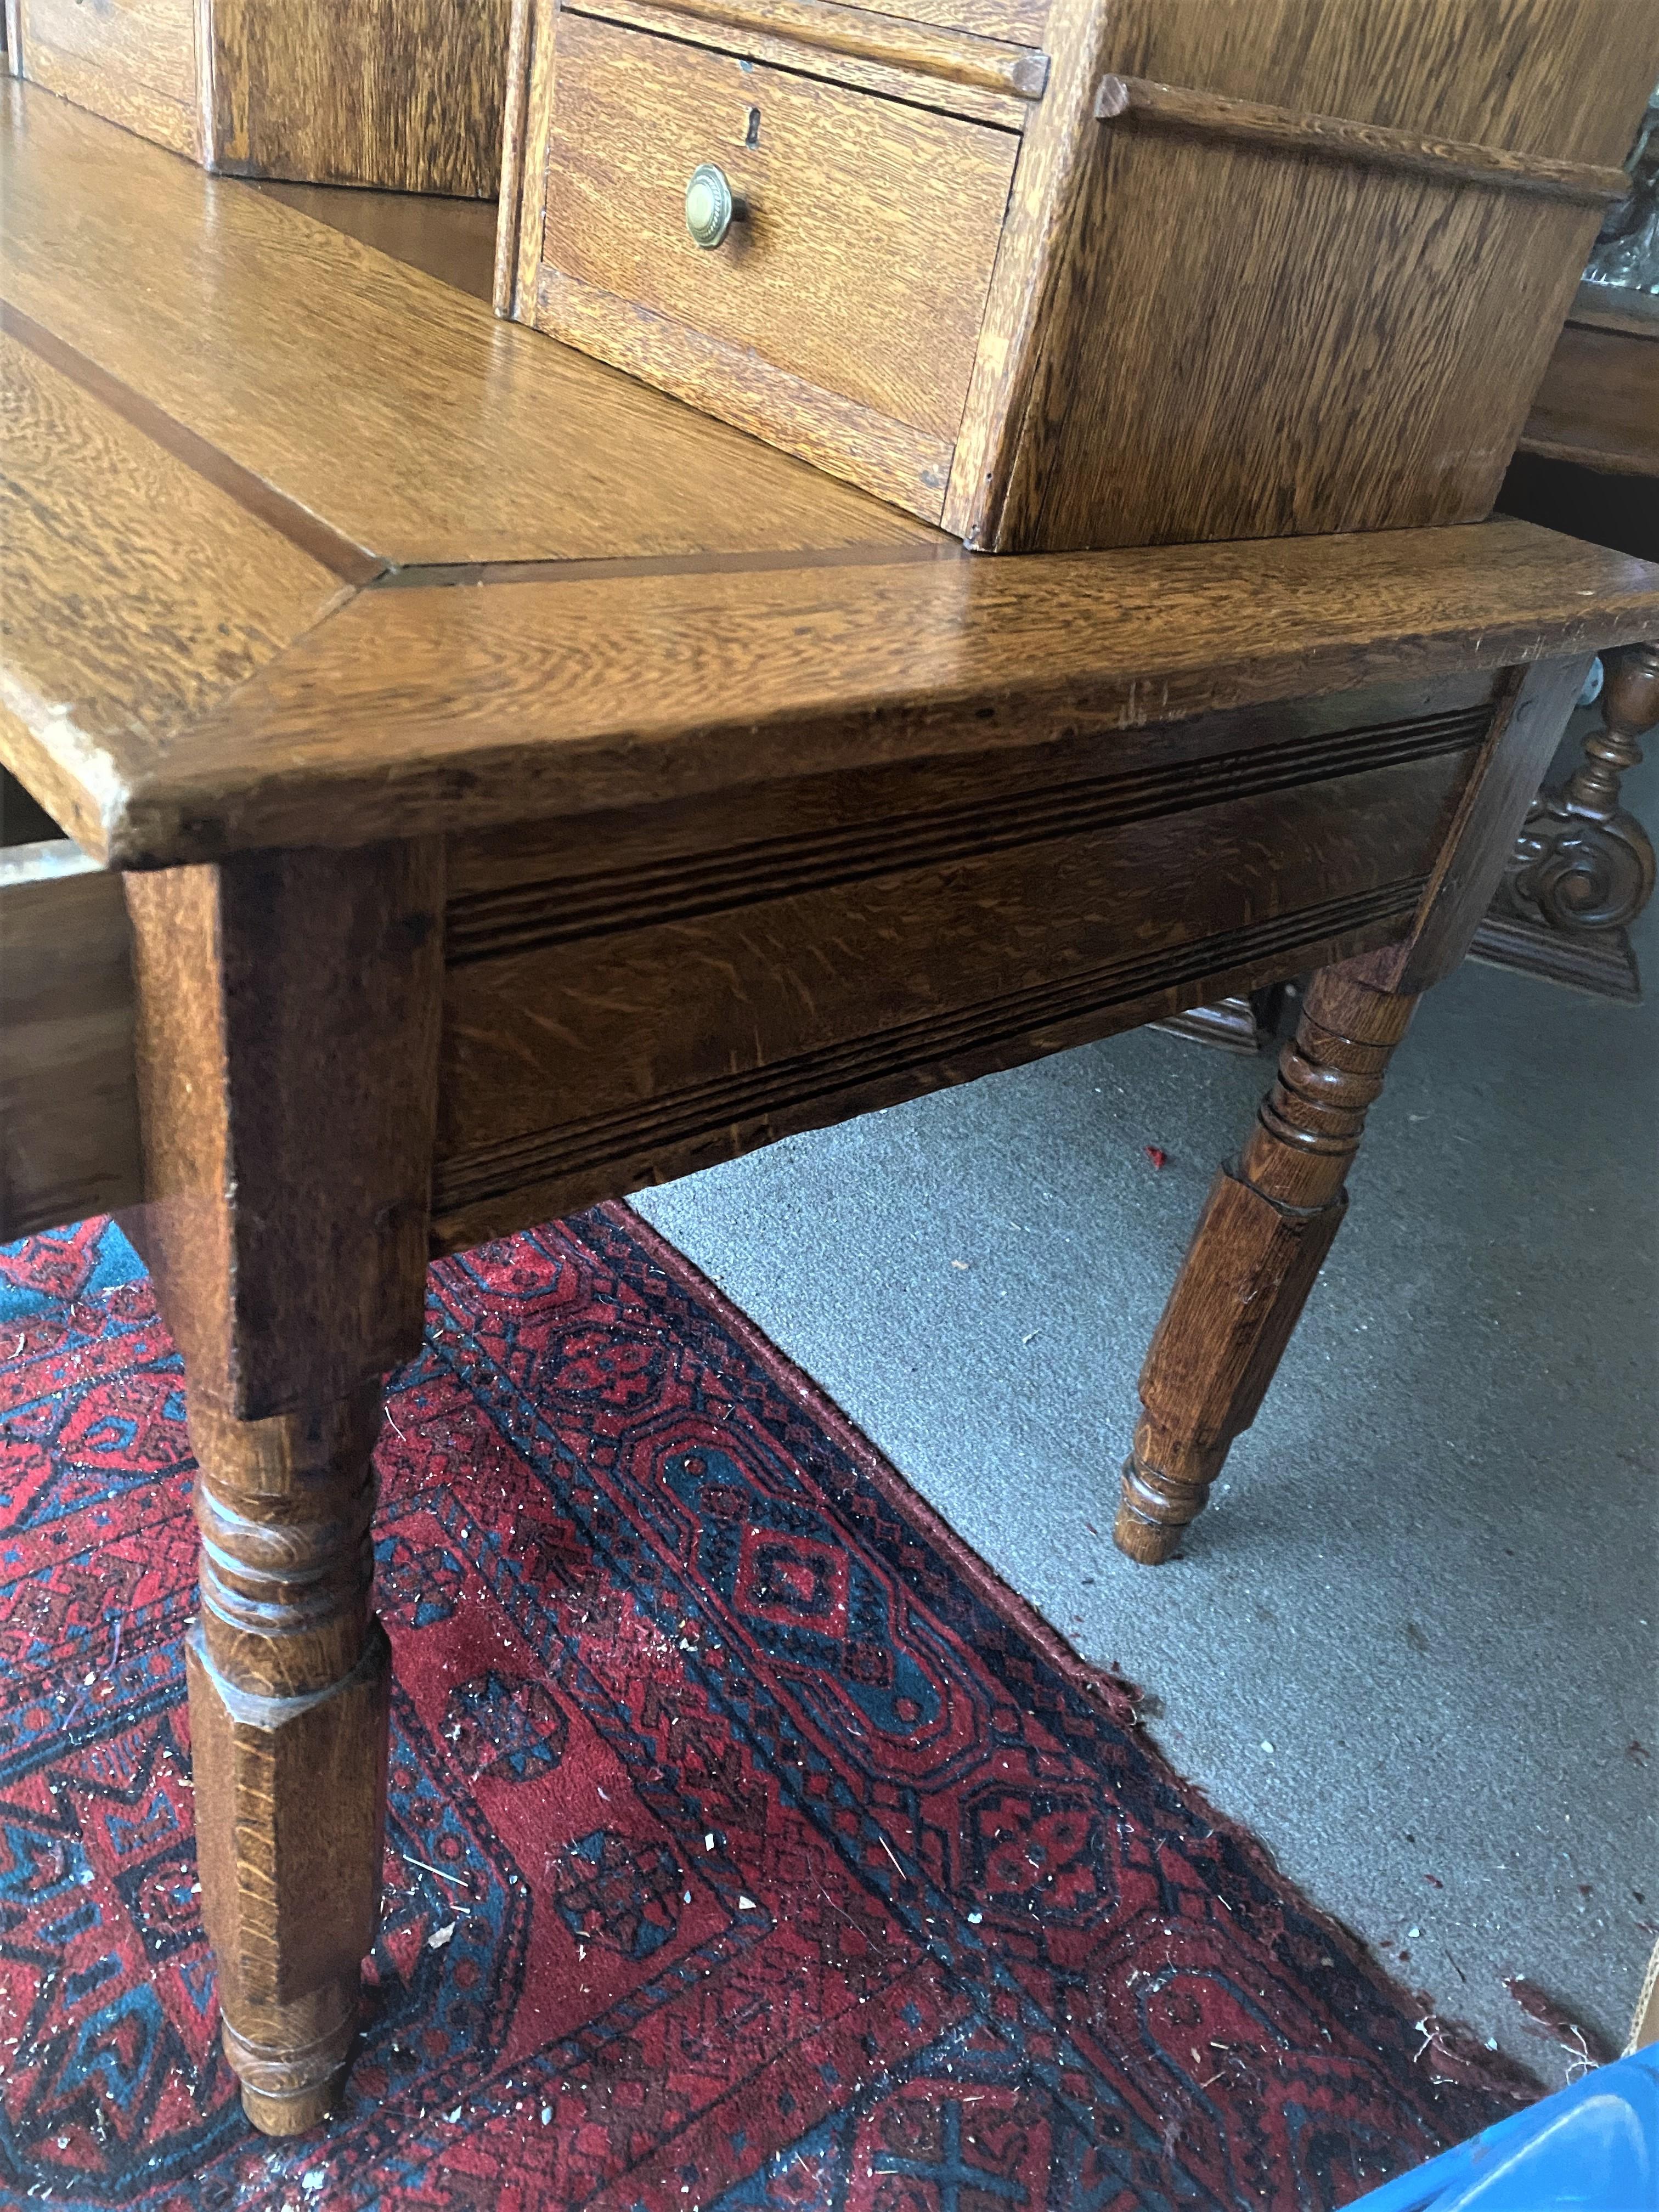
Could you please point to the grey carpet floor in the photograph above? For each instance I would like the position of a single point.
(1411, 1643)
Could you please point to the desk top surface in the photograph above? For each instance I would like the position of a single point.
(300, 545)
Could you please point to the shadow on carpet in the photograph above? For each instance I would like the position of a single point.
(750, 1845)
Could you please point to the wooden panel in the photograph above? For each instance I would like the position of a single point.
(403, 414)
(894, 460)
(1539, 77)
(1599, 402)
(869, 222)
(1371, 416)
(454, 709)
(136, 591)
(131, 60)
(1199, 338)
(1056, 156)
(557, 1173)
(956, 90)
(1216, 115)
(828, 29)
(585, 1064)
(69, 1112)
(1025, 21)
(554, 881)
(405, 94)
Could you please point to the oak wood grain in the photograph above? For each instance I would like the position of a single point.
(1329, 381)
(134, 590)
(276, 995)
(894, 460)
(457, 708)
(652, 1040)
(403, 93)
(1288, 268)
(554, 881)
(1023, 21)
(994, 65)
(518, 242)
(302, 529)
(514, 191)
(134, 61)
(406, 417)
(1265, 1230)
(867, 219)
(556, 1172)
(1335, 137)
(515, 896)
(1057, 151)
(959, 95)
(1547, 77)
(473, 692)
(1369, 366)
(288, 1270)
(69, 1111)
(858, 820)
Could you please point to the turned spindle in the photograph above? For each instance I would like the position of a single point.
(1261, 1241)
(1581, 863)
(288, 1687)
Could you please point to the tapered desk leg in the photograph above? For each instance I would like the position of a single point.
(1269, 1221)
(287, 1025)
(1262, 1240)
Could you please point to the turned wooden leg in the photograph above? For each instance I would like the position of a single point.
(287, 1025)
(1263, 1235)
(1269, 1221)
(288, 1685)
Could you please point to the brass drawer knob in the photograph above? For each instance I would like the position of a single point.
(711, 209)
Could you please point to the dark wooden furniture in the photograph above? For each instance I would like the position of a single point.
(1588, 463)
(1058, 273)
(401, 94)
(530, 787)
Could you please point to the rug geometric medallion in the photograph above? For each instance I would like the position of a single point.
(750, 1845)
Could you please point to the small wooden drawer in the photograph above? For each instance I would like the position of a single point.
(862, 219)
(1067, 274)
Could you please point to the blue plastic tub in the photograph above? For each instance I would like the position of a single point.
(1594, 2147)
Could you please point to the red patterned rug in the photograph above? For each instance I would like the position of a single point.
(751, 1844)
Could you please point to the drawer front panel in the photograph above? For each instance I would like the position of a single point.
(863, 267)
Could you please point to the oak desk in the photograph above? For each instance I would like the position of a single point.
(495, 787)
